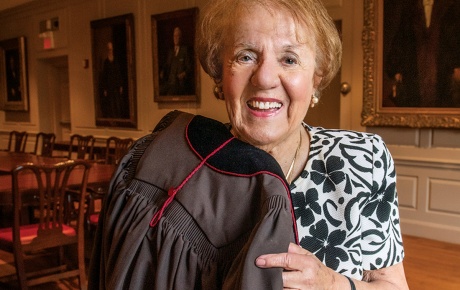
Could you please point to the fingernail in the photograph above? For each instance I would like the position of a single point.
(260, 262)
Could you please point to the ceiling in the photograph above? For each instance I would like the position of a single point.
(6, 4)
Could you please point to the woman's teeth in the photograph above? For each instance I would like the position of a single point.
(264, 105)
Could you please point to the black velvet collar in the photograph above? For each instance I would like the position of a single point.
(237, 157)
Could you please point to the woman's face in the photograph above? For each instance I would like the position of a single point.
(268, 77)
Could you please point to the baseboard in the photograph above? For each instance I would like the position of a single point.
(432, 231)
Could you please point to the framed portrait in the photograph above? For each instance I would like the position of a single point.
(114, 71)
(411, 63)
(14, 95)
(175, 65)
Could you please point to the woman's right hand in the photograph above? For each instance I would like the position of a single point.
(303, 270)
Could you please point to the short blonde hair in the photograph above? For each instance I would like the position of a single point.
(219, 15)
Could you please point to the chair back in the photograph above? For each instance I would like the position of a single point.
(116, 148)
(54, 229)
(50, 188)
(44, 144)
(17, 141)
(82, 146)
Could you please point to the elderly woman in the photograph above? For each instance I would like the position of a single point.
(270, 59)
(265, 202)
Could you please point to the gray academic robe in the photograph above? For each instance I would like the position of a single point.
(192, 207)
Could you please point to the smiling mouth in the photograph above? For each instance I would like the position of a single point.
(256, 105)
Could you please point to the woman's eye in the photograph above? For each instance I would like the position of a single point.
(290, 60)
(245, 57)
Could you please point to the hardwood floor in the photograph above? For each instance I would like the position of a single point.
(429, 265)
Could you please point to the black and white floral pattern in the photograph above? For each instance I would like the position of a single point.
(345, 202)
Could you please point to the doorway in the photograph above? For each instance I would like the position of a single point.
(54, 96)
(327, 112)
(336, 110)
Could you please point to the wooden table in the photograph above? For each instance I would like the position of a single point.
(10, 160)
(99, 174)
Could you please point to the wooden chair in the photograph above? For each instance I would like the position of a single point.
(116, 148)
(44, 144)
(95, 199)
(17, 141)
(51, 234)
(82, 146)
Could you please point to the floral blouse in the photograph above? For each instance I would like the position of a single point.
(346, 204)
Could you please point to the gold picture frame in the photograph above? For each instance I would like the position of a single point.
(377, 83)
(176, 74)
(114, 71)
(14, 92)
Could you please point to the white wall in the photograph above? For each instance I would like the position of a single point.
(74, 41)
(428, 180)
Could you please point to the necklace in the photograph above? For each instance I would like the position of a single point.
(293, 160)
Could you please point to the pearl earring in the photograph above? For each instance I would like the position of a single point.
(218, 93)
(314, 100)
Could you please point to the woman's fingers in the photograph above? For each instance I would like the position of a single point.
(303, 270)
(294, 259)
(296, 249)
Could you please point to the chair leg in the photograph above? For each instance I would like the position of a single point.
(61, 256)
(82, 266)
(20, 270)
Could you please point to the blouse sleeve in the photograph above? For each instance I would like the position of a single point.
(381, 234)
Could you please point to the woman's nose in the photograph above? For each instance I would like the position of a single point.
(266, 75)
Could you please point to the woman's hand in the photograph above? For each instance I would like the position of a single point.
(303, 270)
